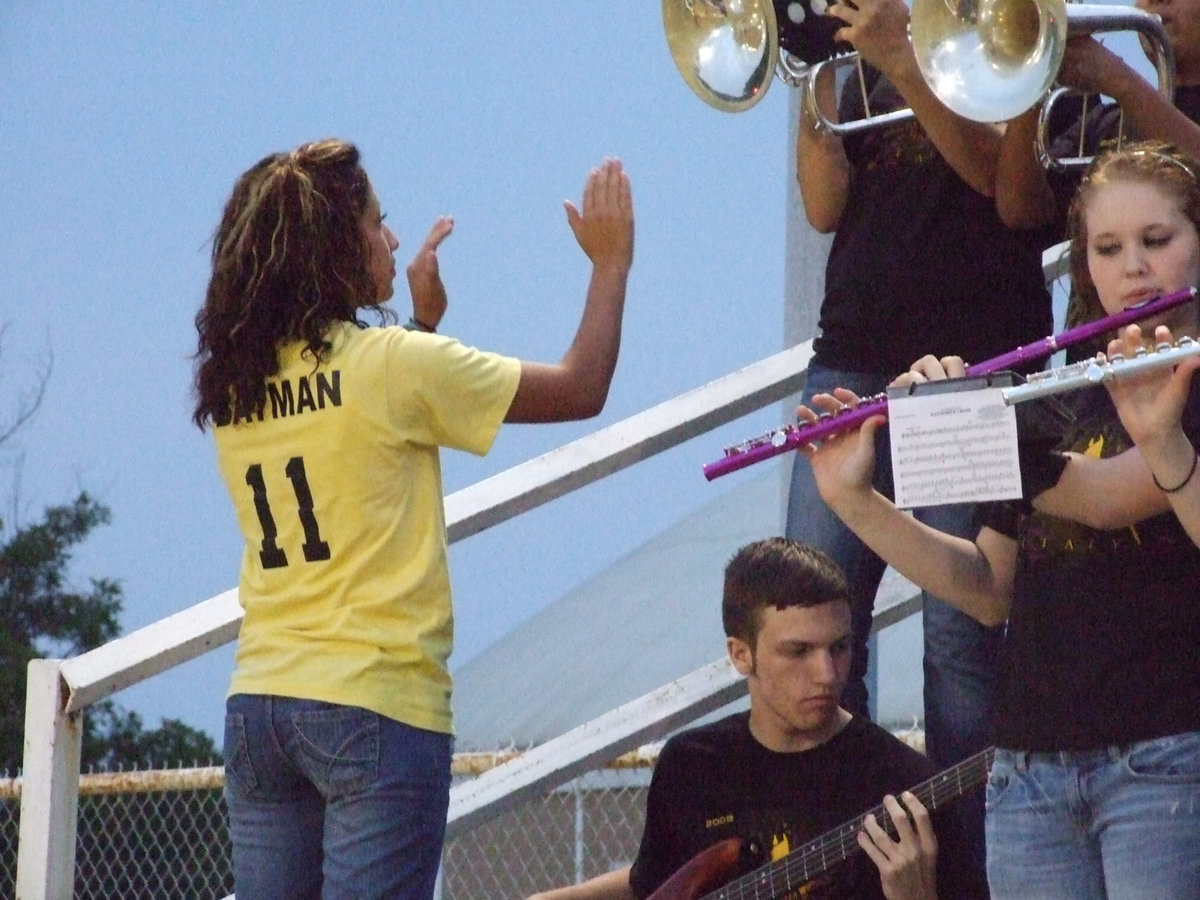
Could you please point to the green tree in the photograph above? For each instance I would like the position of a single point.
(42, 614)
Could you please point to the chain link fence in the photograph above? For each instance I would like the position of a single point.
(162, 835)
(586, 827)
(148, 834)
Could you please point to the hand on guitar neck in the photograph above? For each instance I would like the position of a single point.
(905, 854)
(908, 865)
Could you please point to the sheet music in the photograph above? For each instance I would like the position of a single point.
(955, 447)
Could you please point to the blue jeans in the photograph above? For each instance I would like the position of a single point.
(332, 801)
(960, 653)
(1121, 823)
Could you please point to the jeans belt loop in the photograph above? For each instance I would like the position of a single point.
(1021, 760)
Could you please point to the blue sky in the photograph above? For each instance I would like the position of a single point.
(123, 127)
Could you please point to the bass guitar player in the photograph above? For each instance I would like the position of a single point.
(734, 803)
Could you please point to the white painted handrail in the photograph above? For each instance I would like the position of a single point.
(62, 689)
(59, 691)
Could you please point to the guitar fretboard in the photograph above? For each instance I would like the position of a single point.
(819, 855)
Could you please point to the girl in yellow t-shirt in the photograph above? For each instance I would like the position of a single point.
(338, 724)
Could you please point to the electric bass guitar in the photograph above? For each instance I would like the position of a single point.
(709, 868)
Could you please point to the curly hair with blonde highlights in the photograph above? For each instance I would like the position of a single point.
(288, 261)
(1147, 162)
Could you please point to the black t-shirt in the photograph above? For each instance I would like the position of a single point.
(1103, 641)
(921, 262)
(717, 782)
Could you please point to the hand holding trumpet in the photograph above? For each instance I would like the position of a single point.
(878, 30)
(1090, 67)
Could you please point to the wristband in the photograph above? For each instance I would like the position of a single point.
(415, 324)
(1179, 487)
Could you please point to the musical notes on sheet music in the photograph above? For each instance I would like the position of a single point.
(953, 448)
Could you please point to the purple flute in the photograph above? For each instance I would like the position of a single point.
(792, 437)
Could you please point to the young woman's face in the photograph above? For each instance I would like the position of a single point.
(1141, 245)
(381, 243)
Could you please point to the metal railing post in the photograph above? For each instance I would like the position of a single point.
(50, 787)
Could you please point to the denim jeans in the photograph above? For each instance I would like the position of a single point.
(1121, 823)
(960, 653)
(329, 801)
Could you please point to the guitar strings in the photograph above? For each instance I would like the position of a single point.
(839, 844)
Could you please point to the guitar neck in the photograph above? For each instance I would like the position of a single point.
(819, 855)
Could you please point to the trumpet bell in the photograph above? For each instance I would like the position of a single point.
(726, 50)
(989, 60)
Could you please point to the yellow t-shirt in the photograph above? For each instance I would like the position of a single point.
(338, 493)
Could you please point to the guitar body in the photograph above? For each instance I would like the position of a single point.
(704, 872)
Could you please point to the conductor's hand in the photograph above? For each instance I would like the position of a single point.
(425, 280)
(908, 863)
(604, 229)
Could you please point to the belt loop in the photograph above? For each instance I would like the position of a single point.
(1021, 760)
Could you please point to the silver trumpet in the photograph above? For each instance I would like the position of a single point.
(1097, 371)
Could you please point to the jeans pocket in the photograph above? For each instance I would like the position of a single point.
(239, 771)
(1171, 760)
(341, 746)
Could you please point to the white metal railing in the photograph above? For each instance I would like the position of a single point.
(60, 690)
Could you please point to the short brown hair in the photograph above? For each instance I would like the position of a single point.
(776, 572)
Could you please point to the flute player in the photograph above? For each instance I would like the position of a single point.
(1095, 788)
(920, 263)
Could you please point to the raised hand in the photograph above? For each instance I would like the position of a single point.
(877, 29)
(424, 278)
(843, 463)
(1089, 66)
(604, 229)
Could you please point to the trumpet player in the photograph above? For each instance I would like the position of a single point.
(1029, 196)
